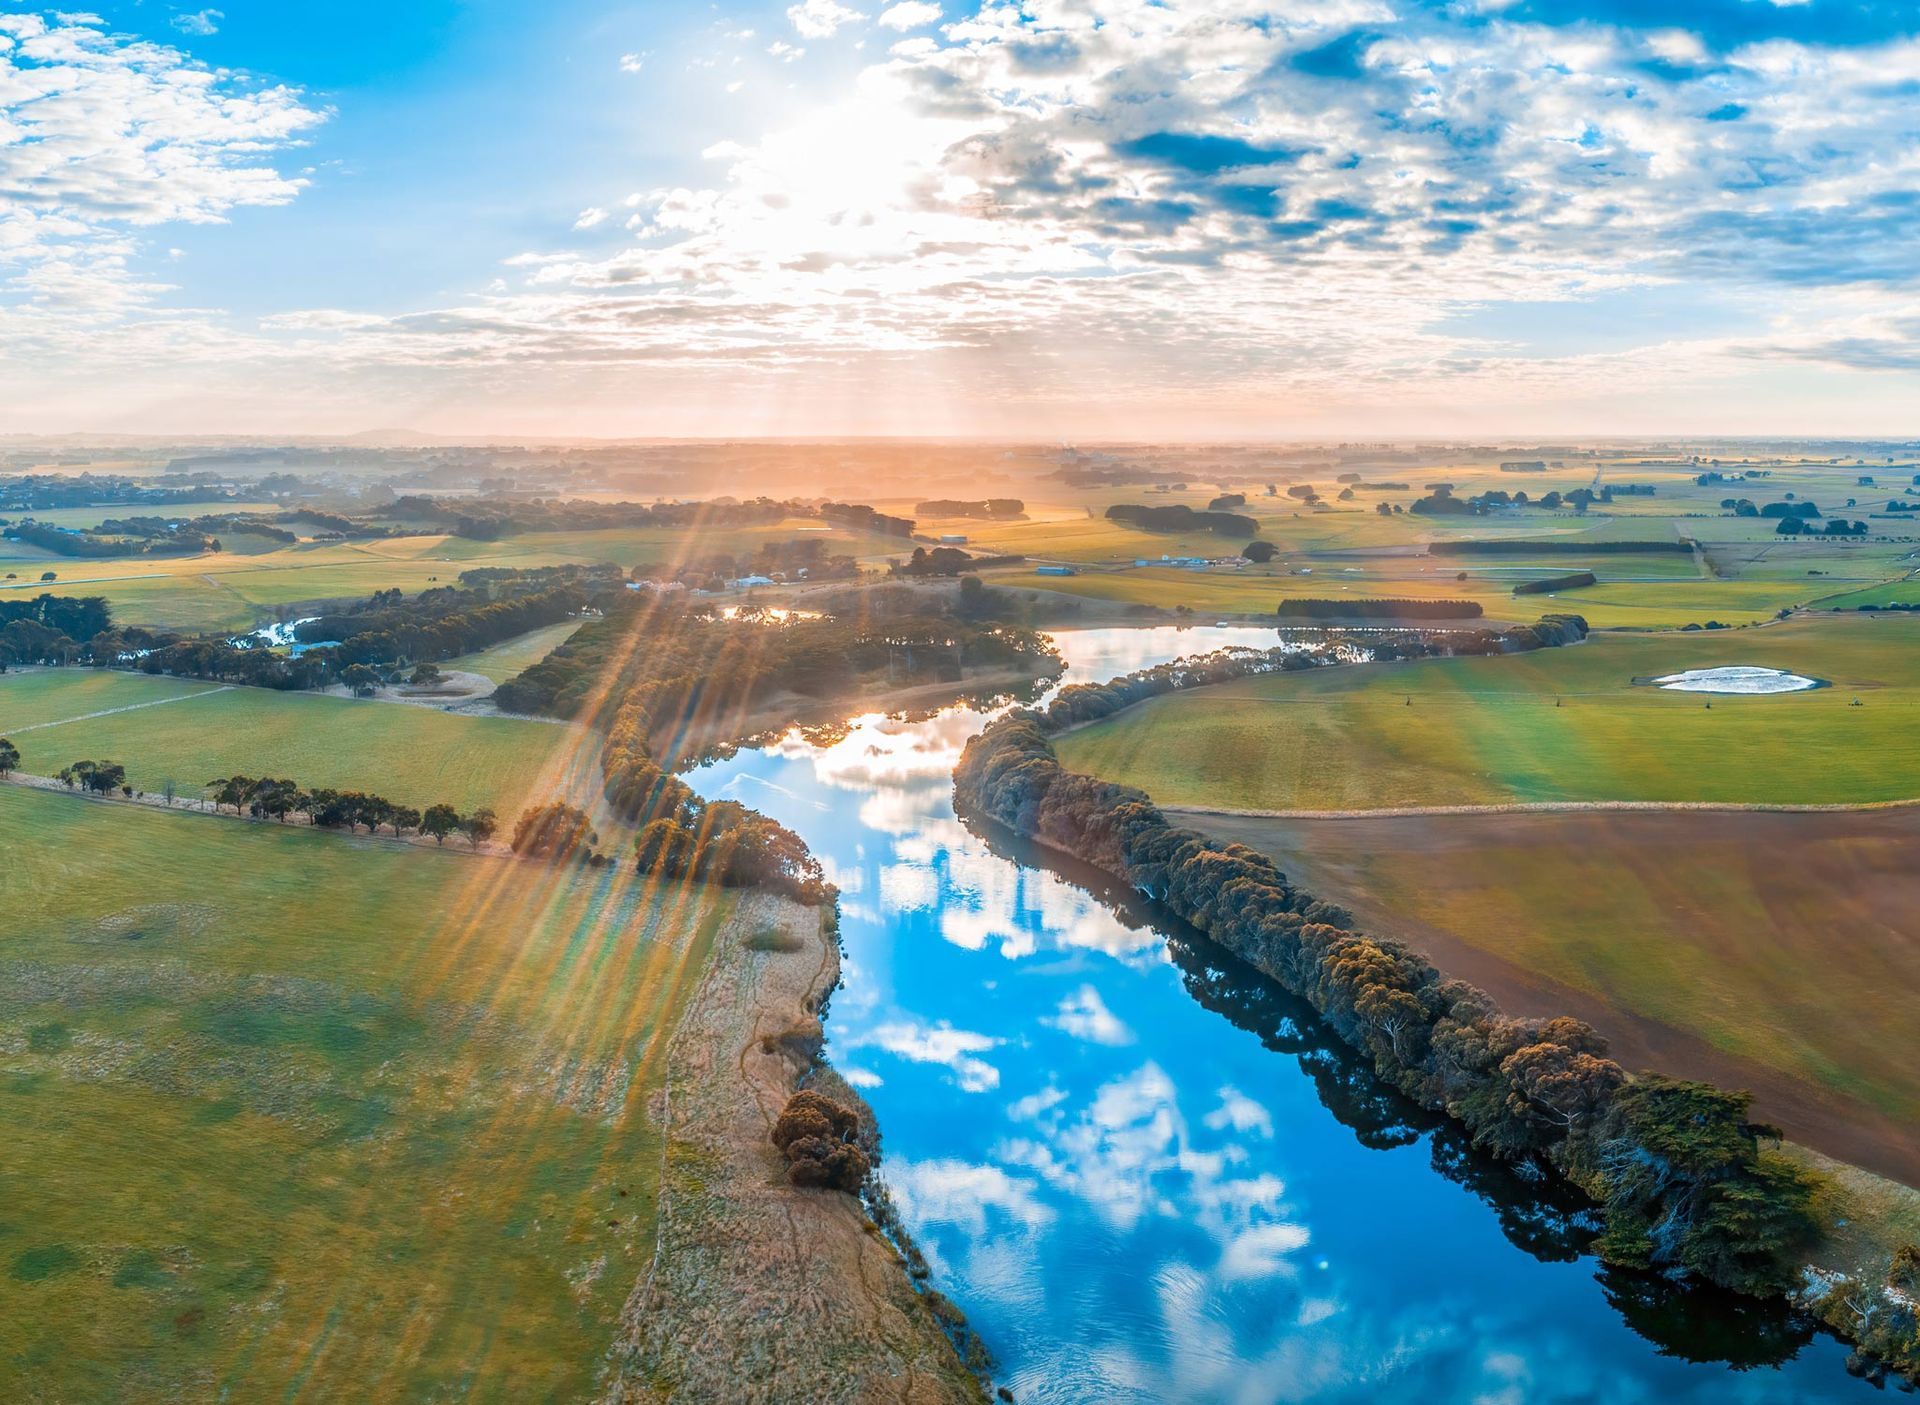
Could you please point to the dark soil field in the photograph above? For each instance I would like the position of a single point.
(1777, 952)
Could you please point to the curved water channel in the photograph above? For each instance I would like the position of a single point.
(1147, 1174)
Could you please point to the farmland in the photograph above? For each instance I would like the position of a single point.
(1557, 725)
(191, 732)
(234, 590)
(513, 656)
(1768, 951)
(331, 1118)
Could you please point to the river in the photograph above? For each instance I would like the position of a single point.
(1147, 1174)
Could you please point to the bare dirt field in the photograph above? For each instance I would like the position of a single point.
(1776, 952)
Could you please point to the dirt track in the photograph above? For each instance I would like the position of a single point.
(1830, 919)
(761, 1293)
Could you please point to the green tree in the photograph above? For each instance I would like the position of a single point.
(440, 821)
(480, 826)
(402, 818)
(361, 679)
(555, 830)
(9, 757)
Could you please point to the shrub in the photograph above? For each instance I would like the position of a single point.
(820, 1140)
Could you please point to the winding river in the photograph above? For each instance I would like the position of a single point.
(1147, 1174)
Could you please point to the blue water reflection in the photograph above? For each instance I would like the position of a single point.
(1147, 1177)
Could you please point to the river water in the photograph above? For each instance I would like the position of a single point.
(1146, 1173)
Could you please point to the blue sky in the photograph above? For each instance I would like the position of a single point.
(1153, 217)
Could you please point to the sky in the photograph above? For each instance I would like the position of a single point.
(1060, 219)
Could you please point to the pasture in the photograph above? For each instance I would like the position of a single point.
(191, 732)
(1769, 951)
(1555, 725)
(330, 1119)
(513, 656)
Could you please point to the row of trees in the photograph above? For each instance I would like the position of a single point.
(278, 798)
(1686, 1181)
(1178, 517)
(1573, 580)
(1360, 607)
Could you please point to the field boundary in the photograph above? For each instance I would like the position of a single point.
(115, 711)
(190, 805)
(1545, 807)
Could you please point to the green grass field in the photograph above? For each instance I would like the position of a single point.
(415, 755)
(320, 1118)
(1558, 724)
(516, 655)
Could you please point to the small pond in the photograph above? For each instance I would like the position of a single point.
(1738, 678)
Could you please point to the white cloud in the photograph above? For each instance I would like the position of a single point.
(199, 22)
(937, 1043)
(632, 63)
(1240, 1113)
(589, 218)
(820, 19)
(1112, 213)
(961, 1193)
(1085, 1015)
(105, 135)
(909, 14)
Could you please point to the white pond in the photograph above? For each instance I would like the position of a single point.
(1738, 678)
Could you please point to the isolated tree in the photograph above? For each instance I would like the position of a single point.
(168, 790)
(9, 757)
(1259, 552)
(402, 817)
(479, 827)
(440, 821)
(361, 679)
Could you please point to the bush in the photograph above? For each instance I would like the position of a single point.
(820, 1140)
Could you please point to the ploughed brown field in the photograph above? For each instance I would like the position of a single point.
(1776, 952)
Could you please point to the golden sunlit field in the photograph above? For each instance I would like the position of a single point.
(321, 1118)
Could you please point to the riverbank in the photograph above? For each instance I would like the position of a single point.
(810, 1301)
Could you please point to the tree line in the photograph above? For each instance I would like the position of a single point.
(267, 797)
(1178, 517)
(1684, 1179)
(1573, 580)
(1363, 608)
